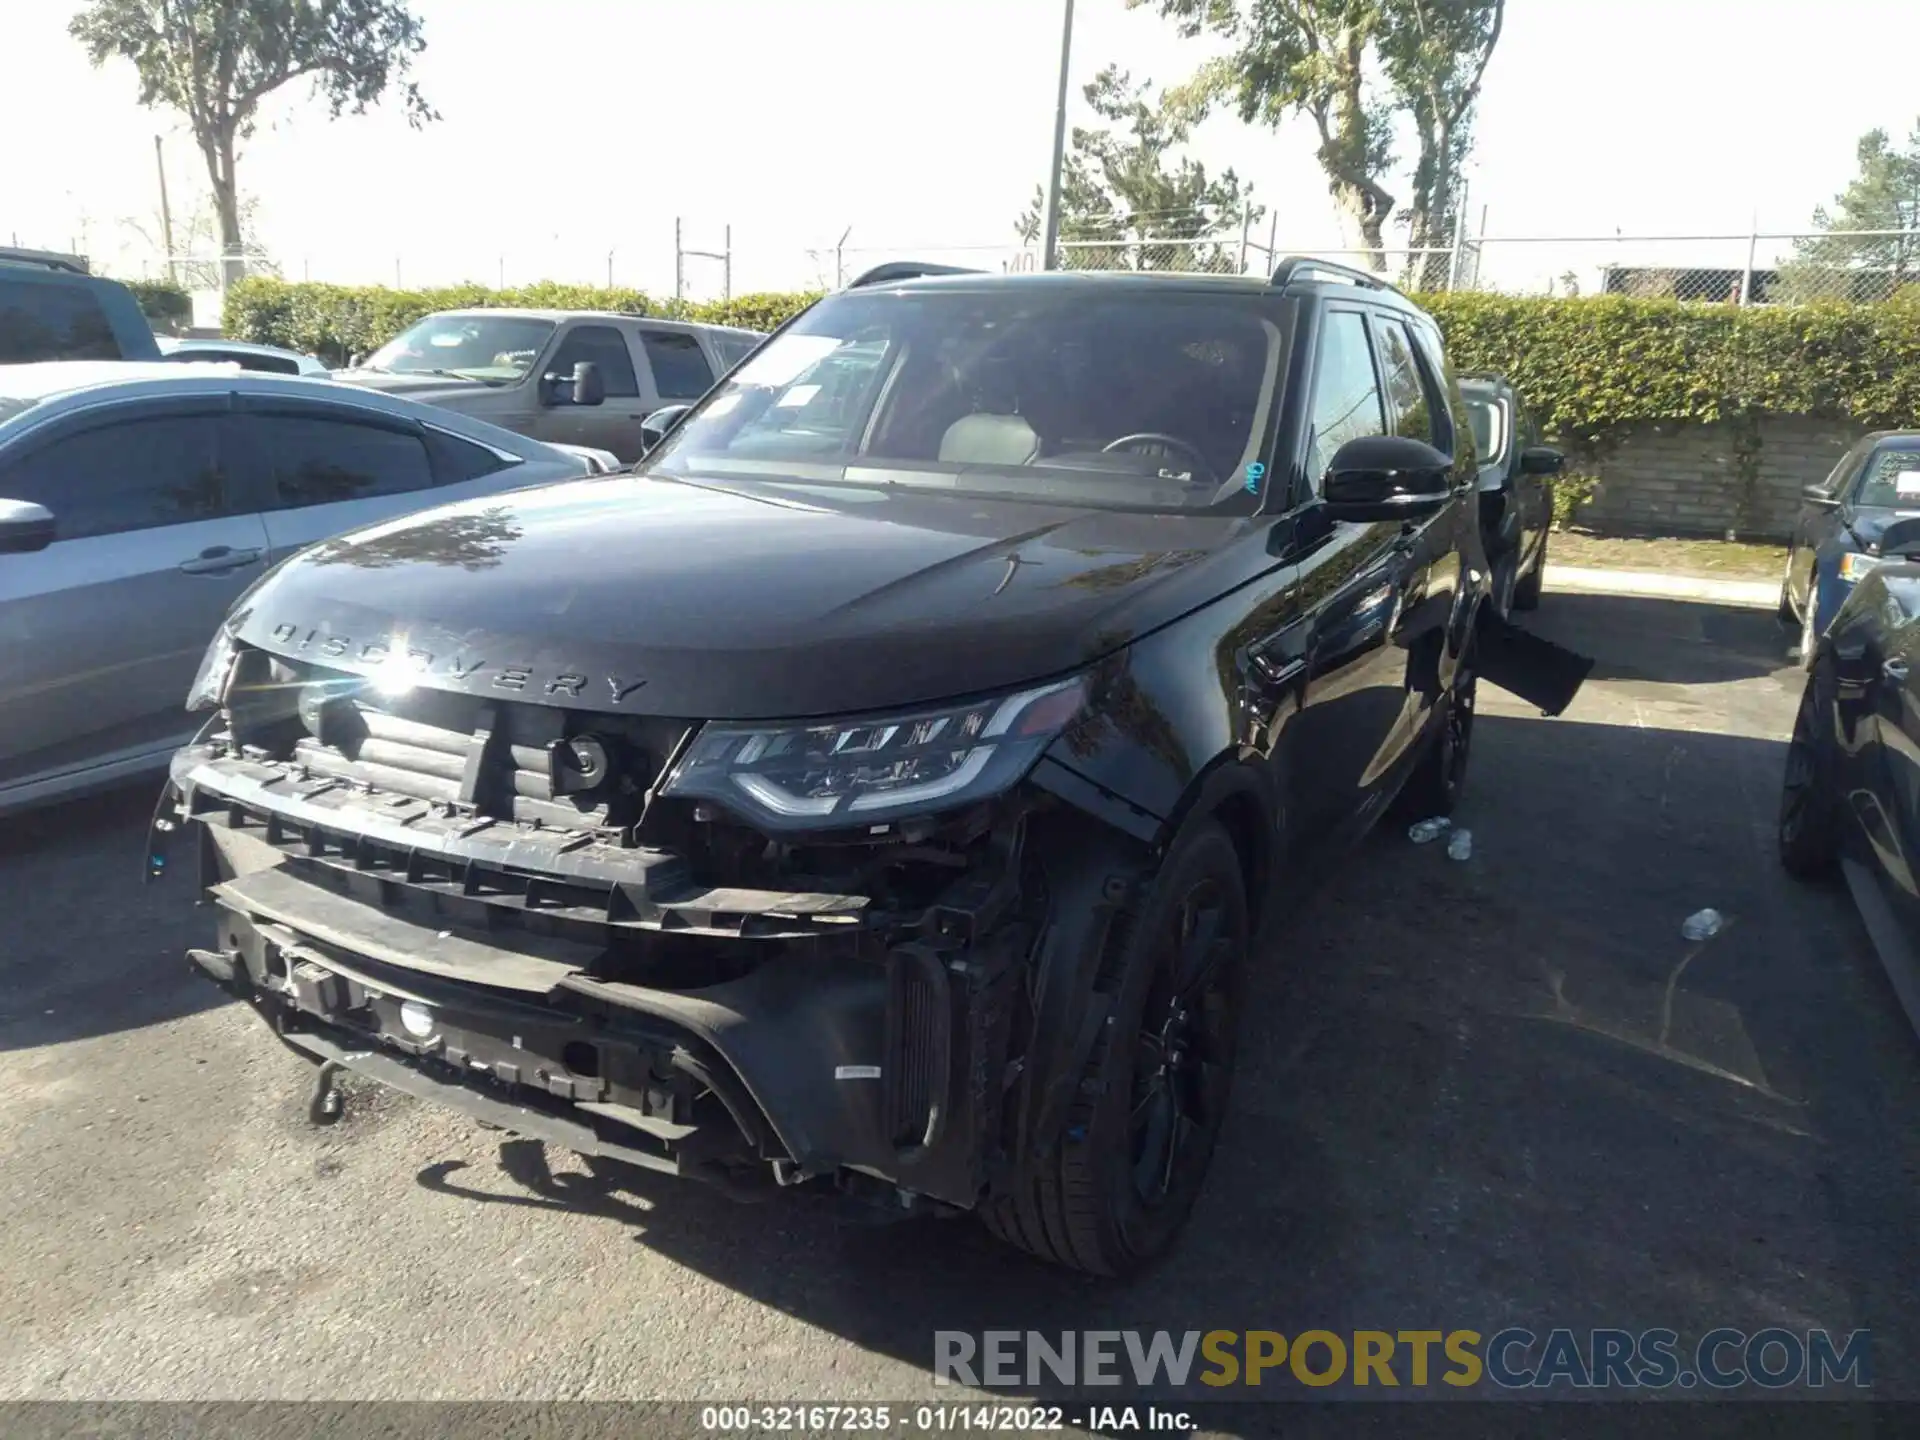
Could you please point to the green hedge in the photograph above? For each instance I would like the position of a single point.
(167, 307)
(337, 321)
(1587, 366)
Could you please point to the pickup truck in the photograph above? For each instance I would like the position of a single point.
(51, 308)
(578, 378)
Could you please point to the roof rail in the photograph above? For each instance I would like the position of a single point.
(1305, 267)
(45, 259)
(906, 270)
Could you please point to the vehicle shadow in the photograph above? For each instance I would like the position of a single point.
(1472, 1095)
(1670, 642)
(85, 948)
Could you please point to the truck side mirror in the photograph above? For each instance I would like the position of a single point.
(588, 387)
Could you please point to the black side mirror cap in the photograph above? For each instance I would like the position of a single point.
(1542, 460)
(654, 428)
(1820, 496)
(1387, 477)
(24, 527)
(1901, 540)
(588, 386)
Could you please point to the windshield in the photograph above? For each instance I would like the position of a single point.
(1489, 434)
(1892, 480)
(1100, 397)
(497, 348)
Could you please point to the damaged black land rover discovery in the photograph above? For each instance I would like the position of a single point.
(889, 785)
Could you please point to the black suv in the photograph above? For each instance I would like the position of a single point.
(51, 308)
(885, 786)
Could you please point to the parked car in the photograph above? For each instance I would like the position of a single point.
(267, 359)
(52, 309)
(1851, 795)
(1836, 538)
(880, 789)
(137, 502)
(576, 377)
(1516, 494)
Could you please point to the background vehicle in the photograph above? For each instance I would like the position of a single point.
(1111, 604)
(1516, 494)
(518, 368)
(52, 309)
(1851, 795)
(266, 359)
(138, 501)
(1836, 538)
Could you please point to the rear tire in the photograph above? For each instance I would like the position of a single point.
(1141, 1129)
(1809, 828)
(1526, 594)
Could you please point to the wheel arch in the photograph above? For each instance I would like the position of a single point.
(1241, 793)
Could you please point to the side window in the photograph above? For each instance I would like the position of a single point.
(1407, 402)
(53, 322)
(456, 460)
(265, 364)
(1892, 480)
(680, 371)
(734, 348)
(128, 476)
(1346, 393)
(319, 460)
(605, 347)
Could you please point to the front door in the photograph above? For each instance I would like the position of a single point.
(614, 424)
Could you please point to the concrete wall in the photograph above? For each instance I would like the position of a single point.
(1686, 479)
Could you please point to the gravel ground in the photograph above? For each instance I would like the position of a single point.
(1504, 1091)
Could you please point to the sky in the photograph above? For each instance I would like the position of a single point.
(576, 131)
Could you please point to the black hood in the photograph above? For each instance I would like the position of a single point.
(753, 601)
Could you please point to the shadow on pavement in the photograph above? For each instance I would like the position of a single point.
(1671, 642)
(1472, 1095)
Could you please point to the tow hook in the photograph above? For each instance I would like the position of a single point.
(328, 1104)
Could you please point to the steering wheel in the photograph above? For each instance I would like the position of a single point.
(1203, 472)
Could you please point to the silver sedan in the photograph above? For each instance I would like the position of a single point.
(138, 502)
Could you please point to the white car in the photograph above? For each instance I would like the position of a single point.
(266, 359)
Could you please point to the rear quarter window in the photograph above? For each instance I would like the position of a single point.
(40, 321)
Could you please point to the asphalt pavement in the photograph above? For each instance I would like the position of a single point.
(1503, 1091)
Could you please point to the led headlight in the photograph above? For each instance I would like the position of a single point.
(870, 770)
(209, 688)
(1853, 565)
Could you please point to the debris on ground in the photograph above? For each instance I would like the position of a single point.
(1460, 845)
(1702, 924)
(1423, 831)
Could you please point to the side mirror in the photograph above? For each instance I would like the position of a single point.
(1819, 497)
(1387, 477)
(24, 527)
(654, 428)
(588, 387)
(1542, 460)
(1901, 540)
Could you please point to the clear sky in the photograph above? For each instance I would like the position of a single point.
(578, 128)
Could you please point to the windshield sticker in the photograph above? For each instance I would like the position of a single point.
(1255, 473)
(782, 361)
(797, 397)
(1907, 483)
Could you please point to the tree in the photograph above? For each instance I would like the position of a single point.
(1884, 196)
(215, 61)
(1123, 188)
(196, 234)
(1319, 58)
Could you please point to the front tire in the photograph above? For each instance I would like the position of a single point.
(1435, 786)
(1809, 828)
(1148, 1108)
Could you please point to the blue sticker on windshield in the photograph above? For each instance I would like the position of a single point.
(1255, 473)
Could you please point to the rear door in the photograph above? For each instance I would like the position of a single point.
(101, 632)
(614, 424)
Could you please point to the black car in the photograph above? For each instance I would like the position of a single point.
(1516, 495)
(1836, 539)
(886, 786)
(51, 308)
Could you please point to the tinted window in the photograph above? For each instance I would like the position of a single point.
(53, 322)
(130, 476)
(1406, 392)
(1346, 396)
(455, 460)
(735, 348)
(1892, 478)
(606, 348)
(680, 371)
(318, 461)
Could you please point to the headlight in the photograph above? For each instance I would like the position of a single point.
(209, 688)
(870, 770)
(1854, 565)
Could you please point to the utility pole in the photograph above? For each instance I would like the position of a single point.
(166, 211)
(840, 258)
(1050, 226)
(679, 261)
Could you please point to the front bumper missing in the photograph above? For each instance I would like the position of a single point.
(850, 1047)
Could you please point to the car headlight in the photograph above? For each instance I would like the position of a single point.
(209, 688)
(1853, 565)
(867, 771)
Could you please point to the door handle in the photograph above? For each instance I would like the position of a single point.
(1894, 670)
(218, 560)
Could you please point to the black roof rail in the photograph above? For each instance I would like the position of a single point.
(1304, 267)
(44, 259)
(906, 270)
